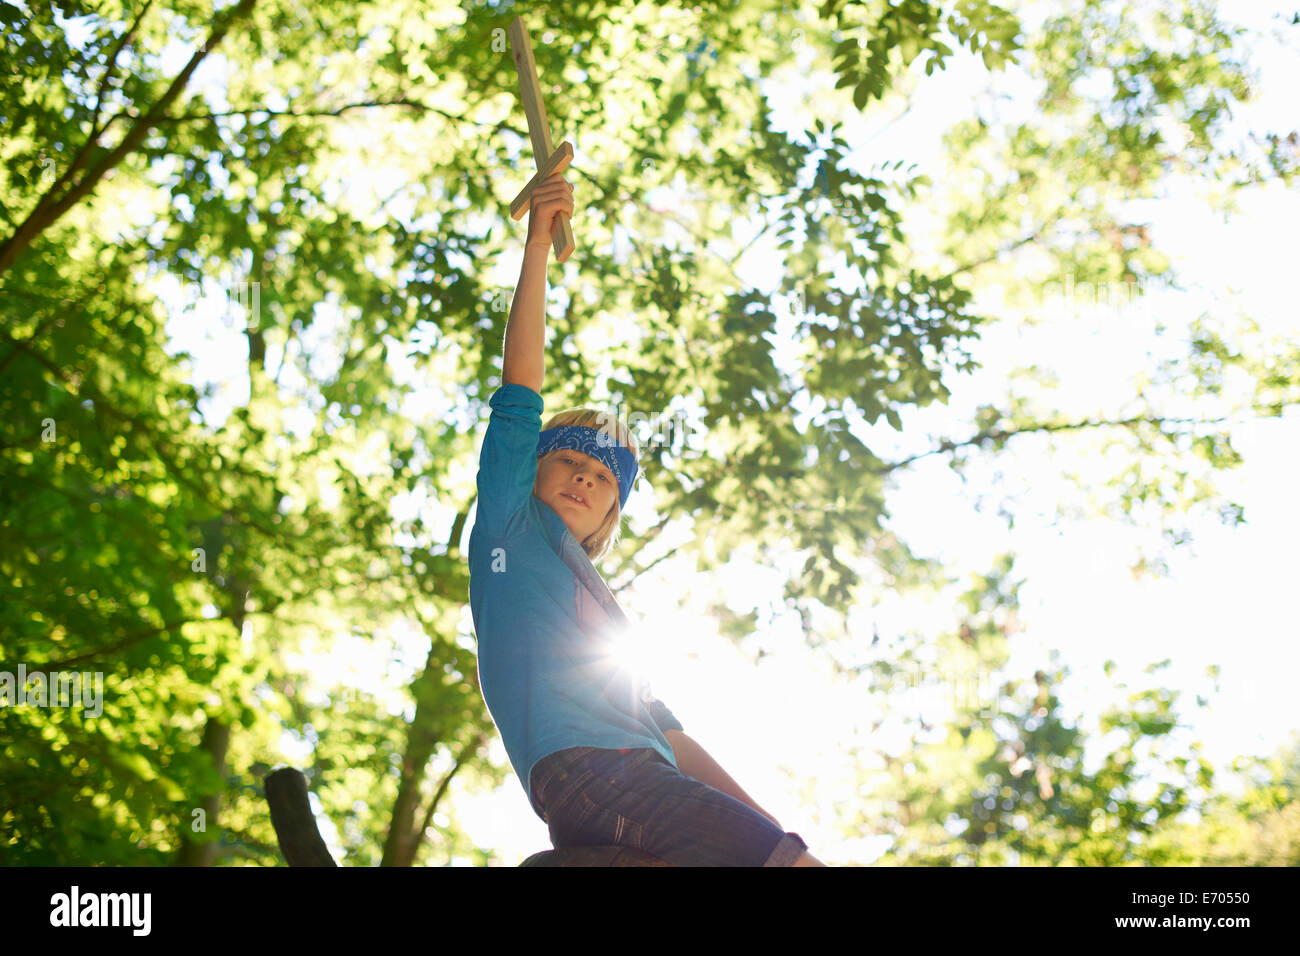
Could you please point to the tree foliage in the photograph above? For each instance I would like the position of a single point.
(330, 178)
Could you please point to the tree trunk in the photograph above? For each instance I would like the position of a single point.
(399, 846)
(216, 738)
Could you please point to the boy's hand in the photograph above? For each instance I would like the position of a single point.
(551, 199)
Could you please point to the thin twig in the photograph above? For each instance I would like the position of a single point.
(1003, 434)
(366, 104)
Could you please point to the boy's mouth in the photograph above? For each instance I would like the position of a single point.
(574, 496)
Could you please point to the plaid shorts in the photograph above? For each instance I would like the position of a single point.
(635, 798)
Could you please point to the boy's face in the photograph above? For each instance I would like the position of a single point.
(575, 474)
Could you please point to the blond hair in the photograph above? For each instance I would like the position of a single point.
(601, 541)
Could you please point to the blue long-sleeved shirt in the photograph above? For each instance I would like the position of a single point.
(544, 661)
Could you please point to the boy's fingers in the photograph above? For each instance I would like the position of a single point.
(541, 199)
(545, 193)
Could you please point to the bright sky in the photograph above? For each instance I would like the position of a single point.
(783, 725)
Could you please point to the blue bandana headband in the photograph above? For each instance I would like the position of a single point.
(598, 444)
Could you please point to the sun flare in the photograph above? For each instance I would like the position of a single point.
(632, 651)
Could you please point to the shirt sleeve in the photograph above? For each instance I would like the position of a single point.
(659, 710)
(507, 464)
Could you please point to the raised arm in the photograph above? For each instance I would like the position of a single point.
(523, 361)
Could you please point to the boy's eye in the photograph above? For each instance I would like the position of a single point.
(572, 462)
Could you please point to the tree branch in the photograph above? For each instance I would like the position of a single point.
(1002, 434)
(132, 638)
(458, 529)
(96, 131)
(47, 213)
(971, 266)
(399, 101)
(648, 538)
(108, 73)
(442, 789)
